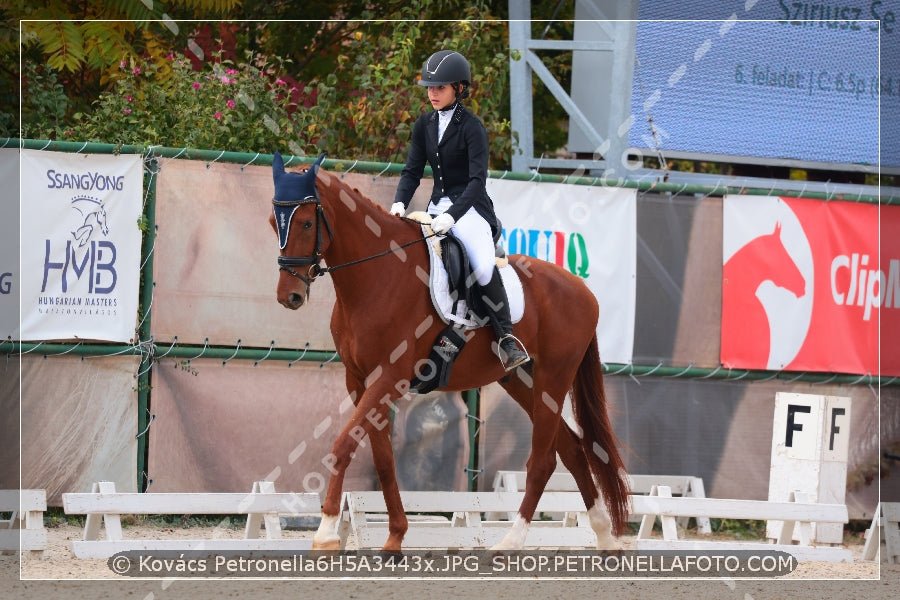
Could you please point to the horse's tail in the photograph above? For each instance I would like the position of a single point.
(598, 438)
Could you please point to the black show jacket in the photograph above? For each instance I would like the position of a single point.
(459, 164)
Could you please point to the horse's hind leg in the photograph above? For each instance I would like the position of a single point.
(568, 445)
(543, 403)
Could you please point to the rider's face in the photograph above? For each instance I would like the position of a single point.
(441, 96)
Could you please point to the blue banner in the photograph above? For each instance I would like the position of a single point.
(773, 80)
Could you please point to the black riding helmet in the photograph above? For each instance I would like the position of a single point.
(446, 67)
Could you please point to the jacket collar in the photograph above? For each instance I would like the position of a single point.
(458, 113)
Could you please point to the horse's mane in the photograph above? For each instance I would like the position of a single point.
(330, 179)
(336, 185)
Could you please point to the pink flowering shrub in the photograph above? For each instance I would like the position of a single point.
(224, 106)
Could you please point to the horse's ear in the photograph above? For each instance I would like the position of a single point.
(777, 231)
(315, 166)
(277, 165)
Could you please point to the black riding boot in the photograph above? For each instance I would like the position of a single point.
(496, 304)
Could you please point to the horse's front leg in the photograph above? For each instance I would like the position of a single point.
(371, 418)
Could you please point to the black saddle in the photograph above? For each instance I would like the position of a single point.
(459, 272)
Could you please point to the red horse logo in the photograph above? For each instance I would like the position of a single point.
(746, 327)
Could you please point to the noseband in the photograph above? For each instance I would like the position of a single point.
(287, 263)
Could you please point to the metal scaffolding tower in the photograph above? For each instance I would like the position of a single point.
(599, 103)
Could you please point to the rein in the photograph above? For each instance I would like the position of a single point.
(323, 270)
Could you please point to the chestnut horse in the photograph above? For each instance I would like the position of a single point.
(384, 324)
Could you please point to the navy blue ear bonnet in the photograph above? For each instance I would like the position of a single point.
(291, 191)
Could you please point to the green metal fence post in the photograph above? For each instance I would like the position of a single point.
(473, 419)
(151, 166)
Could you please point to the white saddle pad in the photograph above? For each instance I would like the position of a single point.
(439, 285)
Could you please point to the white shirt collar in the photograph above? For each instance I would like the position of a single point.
(444, 117)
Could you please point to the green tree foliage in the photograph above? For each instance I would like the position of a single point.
(347, 86)
(335, 76)
(89, 38)
(370, 100)
(94, 35)
(76, 48)
(9, 71)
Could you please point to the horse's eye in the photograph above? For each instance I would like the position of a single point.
(307, 225)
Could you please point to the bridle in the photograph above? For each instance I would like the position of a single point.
(287, 263)
(313, 261)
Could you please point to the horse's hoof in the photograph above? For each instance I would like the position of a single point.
(610, 544)
(330, 545)
(492, 557)
(501, 546)
(390, 557)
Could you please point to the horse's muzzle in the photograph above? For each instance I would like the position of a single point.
(294, 300)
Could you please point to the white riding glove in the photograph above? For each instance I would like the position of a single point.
(397, 209)
(442, 223)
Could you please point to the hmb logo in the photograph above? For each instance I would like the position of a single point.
(84, 255)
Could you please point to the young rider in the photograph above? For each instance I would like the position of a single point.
(454, 142)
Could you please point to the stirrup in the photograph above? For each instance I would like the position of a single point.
(516, 362)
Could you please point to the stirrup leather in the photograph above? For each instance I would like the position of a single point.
(520, 346)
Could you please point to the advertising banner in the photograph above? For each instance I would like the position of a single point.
(805, 288)
(9, 244)
(81, 245)
(588, 231)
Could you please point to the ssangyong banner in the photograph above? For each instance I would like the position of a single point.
(9, 243)
(81, 245)
(589, 231)
(805, 287)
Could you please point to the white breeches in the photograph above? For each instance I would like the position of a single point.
(475, 234)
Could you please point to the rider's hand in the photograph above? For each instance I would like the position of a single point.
(442, 223)
(397, 209)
